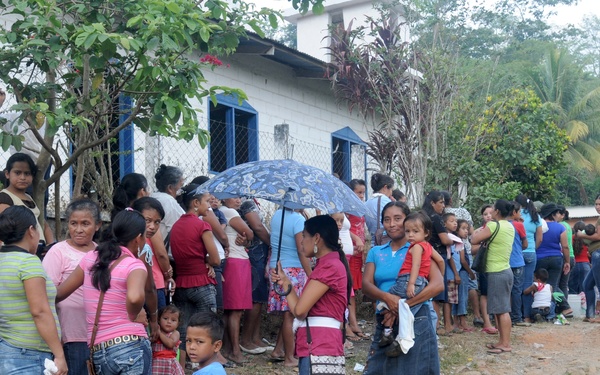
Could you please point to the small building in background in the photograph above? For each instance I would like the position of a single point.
(587, 214)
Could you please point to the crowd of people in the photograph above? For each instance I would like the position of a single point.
(179, 278)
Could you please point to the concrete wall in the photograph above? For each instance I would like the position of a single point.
(273, 90)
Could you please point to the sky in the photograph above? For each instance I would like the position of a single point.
(565, 14)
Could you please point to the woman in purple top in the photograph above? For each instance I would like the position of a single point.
(553, 253)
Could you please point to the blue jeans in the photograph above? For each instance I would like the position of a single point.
(132, 358)
(258, 256)
(591, 280)
(463, 294)
(219, 287)
(422, 359)
(577, 276)
(15, 360)
(530, 263)
(161, 299)
(543, 311)
(554, 266)
(516, 293)
(399, 288)
(303, 366)
(563, 283)
(76, 353)
(191, 301)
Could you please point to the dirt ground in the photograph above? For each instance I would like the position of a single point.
(542, 349)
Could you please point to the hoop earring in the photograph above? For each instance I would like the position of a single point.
(315, 248)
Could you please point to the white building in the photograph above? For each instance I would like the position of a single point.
(290, 112)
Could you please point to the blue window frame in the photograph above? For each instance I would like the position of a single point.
(341, 152)
(233, 131)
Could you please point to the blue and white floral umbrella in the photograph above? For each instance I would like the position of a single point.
(288, 183)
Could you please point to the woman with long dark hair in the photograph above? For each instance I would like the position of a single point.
(321, 307)
(533, 229)
(433, 206)
(121, 344)
(169, 180)
(383, 186)
(194, 251)
(28, 333)
(553, 254)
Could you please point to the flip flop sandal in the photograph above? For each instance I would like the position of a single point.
(490, 346)
(229, 364)
(499, 351)
(490, 330)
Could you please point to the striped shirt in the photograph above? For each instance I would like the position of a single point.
(114, 321)
(16, 323)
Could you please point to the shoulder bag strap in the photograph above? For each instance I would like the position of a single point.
(495, 231)
(378, 211)
(100, 301)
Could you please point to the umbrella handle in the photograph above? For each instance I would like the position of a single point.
(289, 290)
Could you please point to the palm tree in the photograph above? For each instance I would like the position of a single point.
(557, 82)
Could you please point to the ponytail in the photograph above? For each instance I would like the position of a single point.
(529, 207)
(126, 226)
(108, 251)
(326, 227)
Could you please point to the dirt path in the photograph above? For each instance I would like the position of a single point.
(542, 349)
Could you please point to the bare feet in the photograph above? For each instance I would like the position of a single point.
(238, 358)
(290, 362)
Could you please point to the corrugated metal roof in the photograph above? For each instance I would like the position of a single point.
(582, 212)
(304, 65)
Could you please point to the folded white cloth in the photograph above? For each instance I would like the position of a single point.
(49, 367)
(406, 327)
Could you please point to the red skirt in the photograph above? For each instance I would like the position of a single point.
(356, 264)
(237, 287)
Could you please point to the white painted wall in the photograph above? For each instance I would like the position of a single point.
(307, 105)
(313, 30)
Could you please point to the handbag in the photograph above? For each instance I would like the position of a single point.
(381, 237)
(324, 364)
(90, 362)
(481, 258)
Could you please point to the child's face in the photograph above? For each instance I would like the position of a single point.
(199, 345)
(339, 219)
(360, 190)
(414, 231)
(487, 214)
(152, 221)
(20, 176)
(451, 223)
(517, 215)
(214, 202)
(463, 231)
(169, 321)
